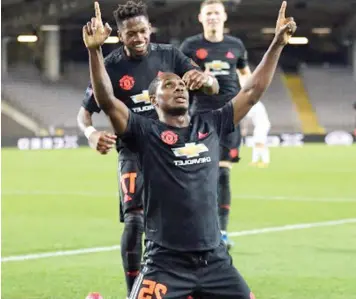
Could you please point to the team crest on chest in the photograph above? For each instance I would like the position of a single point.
(169, 137)
(127, 82)
(201, 53)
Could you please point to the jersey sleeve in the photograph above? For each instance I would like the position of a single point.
(242, 61)
(89, 102)
(182, 63)
(223, 119)
(184, 47)
(137, 129)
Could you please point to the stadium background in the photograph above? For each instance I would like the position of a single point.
(60, 232)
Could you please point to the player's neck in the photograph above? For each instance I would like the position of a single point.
(179, 121)
(215, 36)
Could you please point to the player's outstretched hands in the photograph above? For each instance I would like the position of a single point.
(285, 27)
(102, 141)
(94, 32)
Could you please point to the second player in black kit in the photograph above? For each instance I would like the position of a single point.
(222, 59)
(225, 57)
(131, 68)
(179, 155)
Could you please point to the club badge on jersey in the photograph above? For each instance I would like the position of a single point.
(127, 82)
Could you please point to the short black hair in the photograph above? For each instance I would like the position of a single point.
(152, 89)
(129, 10)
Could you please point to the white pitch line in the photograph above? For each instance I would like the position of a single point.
(292, 227)
(241, 196)
(61, 193)
(258, 231)
(296, 198)
(37, 256)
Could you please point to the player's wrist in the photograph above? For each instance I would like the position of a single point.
(94, 49)
(277, 44)
(88, 131)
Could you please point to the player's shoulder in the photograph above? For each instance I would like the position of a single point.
(114, 57)
(233, 39)
(159, 47)
(194, 39)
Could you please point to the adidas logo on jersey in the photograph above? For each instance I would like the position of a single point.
(218, 67)
(191, 150)
(142, 98)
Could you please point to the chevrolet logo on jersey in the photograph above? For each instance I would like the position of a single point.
(190, 150)
(141, 98)
(218, 67)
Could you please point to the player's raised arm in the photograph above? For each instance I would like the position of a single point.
(94, 36)
(261, 78)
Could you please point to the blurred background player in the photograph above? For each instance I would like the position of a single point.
(126, 66)
(259, 118)
(225, 57)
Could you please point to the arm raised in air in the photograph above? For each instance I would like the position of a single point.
(261, 78)
(94, 36)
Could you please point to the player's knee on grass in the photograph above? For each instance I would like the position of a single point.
(131, 246)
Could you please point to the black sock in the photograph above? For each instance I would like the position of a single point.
(224, 198)
(131, 247)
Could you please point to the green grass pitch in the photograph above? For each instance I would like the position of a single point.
(66, 200)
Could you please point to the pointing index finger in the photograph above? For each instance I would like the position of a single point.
(97, 11)
(282, 11)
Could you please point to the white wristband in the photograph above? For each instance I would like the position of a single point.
(209, 82)
(88, 131)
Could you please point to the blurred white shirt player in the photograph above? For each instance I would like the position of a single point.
(259, 118)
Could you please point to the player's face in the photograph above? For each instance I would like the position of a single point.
(135, 35)
(172, 95)
(213, 17)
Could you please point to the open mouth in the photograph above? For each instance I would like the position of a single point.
(140, 47)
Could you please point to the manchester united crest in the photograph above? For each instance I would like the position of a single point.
(127, 82)
(169, 137)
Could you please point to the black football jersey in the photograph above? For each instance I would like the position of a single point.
(180, 168)
(222, 59)
(131, 77)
